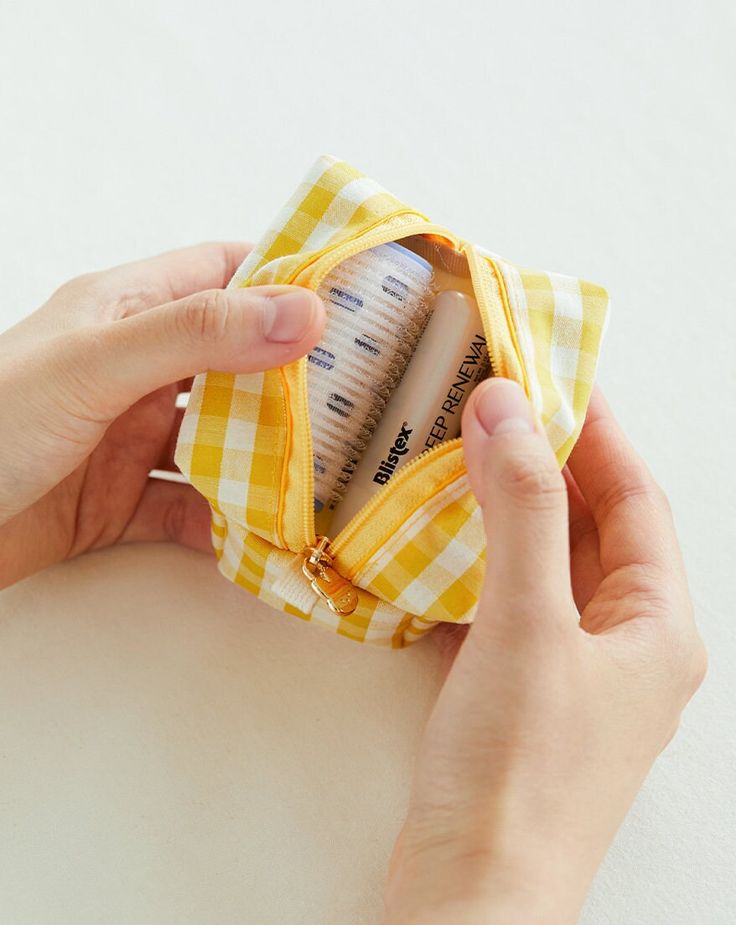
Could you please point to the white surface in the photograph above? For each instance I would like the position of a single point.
(169, 755)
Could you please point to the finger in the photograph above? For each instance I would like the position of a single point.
(109, 367)
(448, 639)
(585, 566)
(126, 290)
(68, 389)
(630, 510)
(173, 275)
(580, 519)
(169, 511)
(521, 491)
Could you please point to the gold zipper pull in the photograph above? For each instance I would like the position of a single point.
(340, 596)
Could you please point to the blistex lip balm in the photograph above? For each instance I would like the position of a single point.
(425, 409)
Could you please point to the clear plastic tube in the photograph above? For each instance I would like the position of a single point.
(377, 306)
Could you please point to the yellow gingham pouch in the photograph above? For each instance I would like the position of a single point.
(414, 555)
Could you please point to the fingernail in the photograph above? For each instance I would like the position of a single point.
(502, 407)
(288, 315)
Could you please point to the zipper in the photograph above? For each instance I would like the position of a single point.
(340, 596)
(493, 321)
(319, 552)
(311, 275)
(353, 526)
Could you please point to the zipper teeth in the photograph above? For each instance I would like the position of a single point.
(344, 251)
(340, 253)
(482, 288)
(333, 257)
(354, 525)
(308, 474)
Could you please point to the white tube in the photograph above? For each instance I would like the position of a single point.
(377, 306)
(424, 410)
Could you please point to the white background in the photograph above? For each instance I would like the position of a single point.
(171, 753)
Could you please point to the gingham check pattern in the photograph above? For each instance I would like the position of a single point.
(332, 203)
(559, 322)
(232, 444)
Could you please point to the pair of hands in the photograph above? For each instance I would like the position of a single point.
(583, 653)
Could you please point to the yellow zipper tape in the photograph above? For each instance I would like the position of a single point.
(510, 326)
(351, 556)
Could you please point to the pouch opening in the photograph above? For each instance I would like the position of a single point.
(415, 404)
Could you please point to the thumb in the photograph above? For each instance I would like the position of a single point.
(63, 393)
(515, 477)
(233, 330)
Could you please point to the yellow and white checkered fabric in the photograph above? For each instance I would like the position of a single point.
(236, 442)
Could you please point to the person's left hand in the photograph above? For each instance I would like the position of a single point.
(89, 384)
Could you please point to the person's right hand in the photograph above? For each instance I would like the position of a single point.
(565, 689)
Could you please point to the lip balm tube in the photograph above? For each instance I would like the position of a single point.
(424, 410)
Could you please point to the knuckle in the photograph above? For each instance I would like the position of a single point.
(664, 503)
(649, 592)
(696, 666)
(657, 494)
(688, 661)
(206, 316)
(78, 379)
(83, 286)
(632, 486)
(532, 480)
